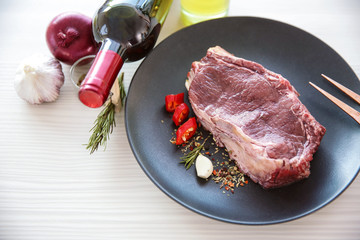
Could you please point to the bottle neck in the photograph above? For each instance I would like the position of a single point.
(97, 84)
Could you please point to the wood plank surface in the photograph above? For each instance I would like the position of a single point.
(52, 189)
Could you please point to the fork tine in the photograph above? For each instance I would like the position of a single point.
(347, 91)
(346, 108)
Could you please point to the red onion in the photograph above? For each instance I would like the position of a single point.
(69, 37)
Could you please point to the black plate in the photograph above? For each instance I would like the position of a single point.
(299, 57)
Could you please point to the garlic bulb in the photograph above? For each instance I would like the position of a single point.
(38, 79)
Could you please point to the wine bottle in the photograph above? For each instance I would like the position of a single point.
(127, 30)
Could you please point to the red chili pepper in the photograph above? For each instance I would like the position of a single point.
(172, 101)
(180, 114)
(186, 131)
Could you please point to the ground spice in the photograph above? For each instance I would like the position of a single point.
(225, 172)
(228, 175)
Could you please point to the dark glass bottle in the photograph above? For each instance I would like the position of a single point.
(128, 30)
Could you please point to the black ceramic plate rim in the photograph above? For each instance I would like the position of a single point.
(190, 207)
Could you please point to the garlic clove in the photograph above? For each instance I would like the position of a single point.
(115, 96)
(204, 166)
(38, 79)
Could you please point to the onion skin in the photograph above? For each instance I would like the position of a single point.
(69, 37)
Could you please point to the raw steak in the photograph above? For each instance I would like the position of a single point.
(257, 115)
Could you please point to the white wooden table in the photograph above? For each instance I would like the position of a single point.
(51, 188)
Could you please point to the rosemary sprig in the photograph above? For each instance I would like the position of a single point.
(190, 157)
(105, 121)
(104, 124)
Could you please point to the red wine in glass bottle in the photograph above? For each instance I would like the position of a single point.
(128, 30)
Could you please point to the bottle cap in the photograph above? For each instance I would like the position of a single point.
(96, 86)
